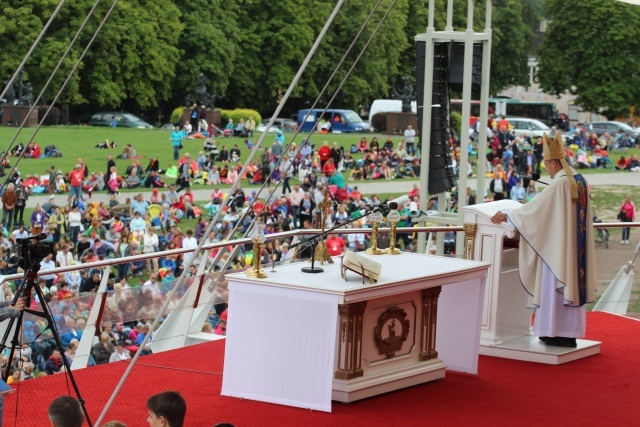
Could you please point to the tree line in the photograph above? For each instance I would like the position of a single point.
(149, 54)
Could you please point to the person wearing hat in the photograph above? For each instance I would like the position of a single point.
(155, 197)
(557, 252)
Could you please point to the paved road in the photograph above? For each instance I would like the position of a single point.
(365, 187)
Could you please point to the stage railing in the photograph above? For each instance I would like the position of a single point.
(140, 303)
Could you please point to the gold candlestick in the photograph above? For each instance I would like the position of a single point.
(322, 253)
(257, 238)
(376, 217)
(393, 217)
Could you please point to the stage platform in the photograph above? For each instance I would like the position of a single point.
(599, 390)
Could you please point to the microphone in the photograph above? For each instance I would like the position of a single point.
(534, 177)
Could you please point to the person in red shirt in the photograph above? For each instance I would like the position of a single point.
(335, 245)
(329, 168)
(503, 124)
(34, 152)
(75, 190)
(257, 206)
(355, 193)
(325, 153)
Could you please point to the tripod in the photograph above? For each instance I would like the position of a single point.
(25, 290)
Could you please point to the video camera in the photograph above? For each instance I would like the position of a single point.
(33, 249)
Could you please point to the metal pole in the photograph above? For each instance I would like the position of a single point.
(466, 116)
(484, 106)
(425, 133)
(449, 16)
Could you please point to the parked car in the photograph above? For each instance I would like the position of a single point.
(263, 126)
(612, 127)
(531, 127)
(123, 120)
(285, 125)
(335, 120)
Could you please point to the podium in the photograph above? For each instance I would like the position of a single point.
(306, 339)
(506, 321)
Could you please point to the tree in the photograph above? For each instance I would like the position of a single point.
(20, 24)
(135, 55)
(273, 41)
(372, 76)
(510, 46)
(208, 45)
(592, 50)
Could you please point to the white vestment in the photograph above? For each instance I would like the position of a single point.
(553, 318)
(549, 259)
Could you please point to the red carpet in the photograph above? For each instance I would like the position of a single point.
(599, 390)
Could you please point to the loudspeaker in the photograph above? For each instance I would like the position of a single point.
(456, 74)
(441, 176)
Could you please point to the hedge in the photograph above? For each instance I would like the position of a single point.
(176, 116)
(239, 113)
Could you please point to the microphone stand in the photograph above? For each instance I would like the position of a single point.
(315, 239)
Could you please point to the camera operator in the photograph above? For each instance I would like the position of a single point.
(8, 311)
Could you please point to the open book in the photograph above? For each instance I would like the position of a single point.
(360, 265)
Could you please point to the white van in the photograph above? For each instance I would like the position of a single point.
(389, 106)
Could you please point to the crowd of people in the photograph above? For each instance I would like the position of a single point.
(298, 177)
(510, 157)
(83, 231)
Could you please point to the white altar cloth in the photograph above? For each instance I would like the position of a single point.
(281, 331)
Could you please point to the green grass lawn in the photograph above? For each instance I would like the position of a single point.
(76, 141)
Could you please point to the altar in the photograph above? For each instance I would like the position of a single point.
(305, 339)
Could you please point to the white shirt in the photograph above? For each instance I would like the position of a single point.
(75, 219)
(150, 242)
(154, 287)
(63, 259)
(44, 265)
(409, 135)
(189, 242)
(20, 235)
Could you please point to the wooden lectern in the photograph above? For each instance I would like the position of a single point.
(506, 321)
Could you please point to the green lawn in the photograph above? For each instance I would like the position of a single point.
(76, 141)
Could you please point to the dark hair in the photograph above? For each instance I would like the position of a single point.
(65, 411)
(170, 405)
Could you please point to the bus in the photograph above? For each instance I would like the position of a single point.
(544, 111)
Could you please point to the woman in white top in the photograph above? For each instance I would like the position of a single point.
(150, 241)
(75, 222)
(356, 242)
(214, 176)
(120, 354)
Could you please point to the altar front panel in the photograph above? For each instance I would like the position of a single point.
(280, 346)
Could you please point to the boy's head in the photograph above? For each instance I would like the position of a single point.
(166, 409)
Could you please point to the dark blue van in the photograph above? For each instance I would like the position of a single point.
(338, 121)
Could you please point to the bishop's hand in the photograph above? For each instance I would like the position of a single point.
(499, 217)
